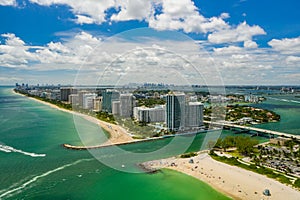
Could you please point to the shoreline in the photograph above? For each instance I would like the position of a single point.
(117, 134)
(232, 181)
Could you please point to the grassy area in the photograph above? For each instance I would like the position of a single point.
(260, 170)
(235, 154)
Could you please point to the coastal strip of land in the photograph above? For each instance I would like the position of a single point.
(233, 181)
(118, 135)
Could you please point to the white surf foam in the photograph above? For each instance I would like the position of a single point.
(295, 101)
(11, 191)
(9, 149)
(5, 150)
(285, 100)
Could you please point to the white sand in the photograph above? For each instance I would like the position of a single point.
(233, 181)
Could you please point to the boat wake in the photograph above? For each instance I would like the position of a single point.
(11, 191)
(285, 100)
(9, 149)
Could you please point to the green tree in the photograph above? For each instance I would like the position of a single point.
(297, 183)
(227, 142)
(245, 145)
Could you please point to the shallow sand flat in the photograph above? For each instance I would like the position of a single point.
(235, 182)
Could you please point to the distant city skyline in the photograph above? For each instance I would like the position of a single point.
(232, 42)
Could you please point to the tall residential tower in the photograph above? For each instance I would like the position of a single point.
(175, 111)
(127, 102)
(194, 115)
(108, 97)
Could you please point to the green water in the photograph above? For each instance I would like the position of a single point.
(66, 174)
(28, 126)
(288, 107)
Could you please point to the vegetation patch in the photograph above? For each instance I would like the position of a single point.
(235, 113)
(297, 183)
(151, 102)
(105, 116)
(244, 114)
(245, 145)
(188, 155)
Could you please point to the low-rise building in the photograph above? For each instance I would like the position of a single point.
(88, 101)
(150, 115)
(74, 99)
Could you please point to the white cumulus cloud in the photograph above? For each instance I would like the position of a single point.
(81, 19)
(184, 15)
(250, 44)
(8, 3)
(242, 33)
(286, 45)
(173, 15)
(237, 64)
(225, 15)
(85, 11)
(133, 10)
(293, 60)
(14, 53)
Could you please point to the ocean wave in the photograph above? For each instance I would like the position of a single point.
(9, 149)
(285, 100)
(295, 101)
(11, 191)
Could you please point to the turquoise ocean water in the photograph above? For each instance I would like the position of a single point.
(288, 107)
(34, 165)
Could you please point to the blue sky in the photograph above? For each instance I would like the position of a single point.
(249, 41)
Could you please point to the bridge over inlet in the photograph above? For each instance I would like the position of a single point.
(265, 131)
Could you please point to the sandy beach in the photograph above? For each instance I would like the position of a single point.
(118, 135)
(234, 182)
